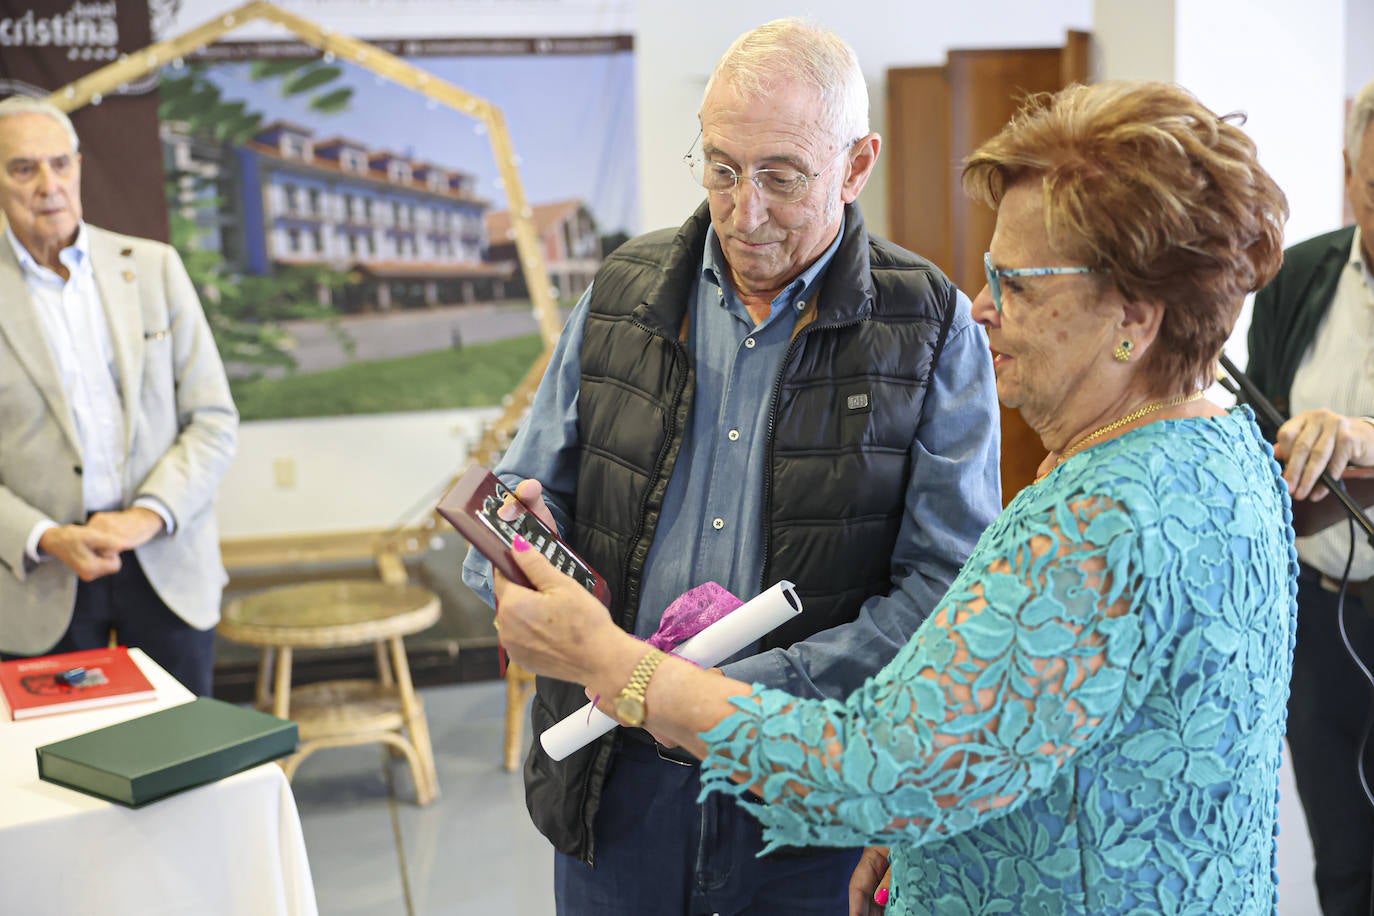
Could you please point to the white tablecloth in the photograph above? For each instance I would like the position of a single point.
(231, 847)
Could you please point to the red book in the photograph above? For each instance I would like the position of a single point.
(72, 681)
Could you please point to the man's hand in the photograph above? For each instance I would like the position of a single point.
(871, 877)
(131, 527)
(1317, 440)
(530, 496)
(86, 551)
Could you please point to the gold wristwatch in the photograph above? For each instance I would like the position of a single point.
(629, 705)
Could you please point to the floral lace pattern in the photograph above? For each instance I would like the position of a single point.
(1090, 722)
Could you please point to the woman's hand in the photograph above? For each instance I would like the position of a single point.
(870, 882)
(556, 628)
(1317, 440)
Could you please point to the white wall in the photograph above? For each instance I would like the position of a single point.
(1246, 55)
(1359, 56)
(1133, 41)
(1359, 45)
(1297, 122)
(1219, 49)
(343, 473)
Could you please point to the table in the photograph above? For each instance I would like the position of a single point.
(231, 847)
(344, 612)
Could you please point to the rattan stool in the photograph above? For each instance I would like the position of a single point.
(319, 615)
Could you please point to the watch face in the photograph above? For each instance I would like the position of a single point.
(630, 710)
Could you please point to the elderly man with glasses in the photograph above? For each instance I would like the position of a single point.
(766, 393)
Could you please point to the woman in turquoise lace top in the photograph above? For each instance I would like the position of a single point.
(1090, 721)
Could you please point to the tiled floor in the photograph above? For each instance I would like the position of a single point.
(473, 851)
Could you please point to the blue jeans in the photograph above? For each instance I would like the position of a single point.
(659, 852)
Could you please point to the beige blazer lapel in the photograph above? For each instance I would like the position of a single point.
(23, 327)
(116, 276)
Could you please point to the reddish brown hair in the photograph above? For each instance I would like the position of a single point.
(1144, 181)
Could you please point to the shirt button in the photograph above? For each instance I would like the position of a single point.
(718, 523)
(749, 343)
(801, 306)
(733, 435)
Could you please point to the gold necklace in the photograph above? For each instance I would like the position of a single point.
(1131, 417)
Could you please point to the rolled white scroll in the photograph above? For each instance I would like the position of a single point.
(742, 627)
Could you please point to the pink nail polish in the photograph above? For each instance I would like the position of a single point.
(520, 544)
(881, 896)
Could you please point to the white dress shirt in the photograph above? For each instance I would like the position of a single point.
(1338, 373)
(78, 335)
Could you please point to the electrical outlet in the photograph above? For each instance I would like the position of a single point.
(284, 473)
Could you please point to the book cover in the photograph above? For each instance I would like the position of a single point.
(96, 677)
(150, 757)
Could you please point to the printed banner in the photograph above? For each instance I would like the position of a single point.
(46, 44)
(350, 237)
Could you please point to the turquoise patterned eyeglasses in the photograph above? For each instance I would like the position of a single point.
(995, 275)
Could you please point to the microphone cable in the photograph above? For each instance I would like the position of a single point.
(1364, 670)
(1361, 759)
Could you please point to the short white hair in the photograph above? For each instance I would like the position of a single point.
(1361, 116)
(23, 104)
(795, 50)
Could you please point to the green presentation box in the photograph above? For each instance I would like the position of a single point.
(141, 760)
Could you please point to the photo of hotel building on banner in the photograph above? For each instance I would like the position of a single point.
(412, 234)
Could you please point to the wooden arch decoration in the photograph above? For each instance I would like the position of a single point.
(387, 546)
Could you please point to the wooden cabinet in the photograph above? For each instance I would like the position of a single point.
(936, 116)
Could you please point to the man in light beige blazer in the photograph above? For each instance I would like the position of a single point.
(116, 423)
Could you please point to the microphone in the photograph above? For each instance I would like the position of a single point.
(1250, 393)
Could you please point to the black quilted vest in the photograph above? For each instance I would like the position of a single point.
(843, 414)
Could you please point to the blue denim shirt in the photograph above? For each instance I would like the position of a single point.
(710, 528)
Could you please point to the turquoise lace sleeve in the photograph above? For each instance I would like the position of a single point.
(1027, 657)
